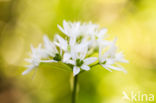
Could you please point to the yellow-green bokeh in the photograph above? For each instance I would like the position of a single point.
(23, 22)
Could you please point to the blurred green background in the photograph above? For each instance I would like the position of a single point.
(23, 22)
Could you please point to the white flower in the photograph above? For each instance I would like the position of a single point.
(65, 46)
(49, 46)
(70, 29)
(41, 53)
(88, 28)
(36, 55)
(51, 50)
(78, 53)
(99, 38)
(76, 30)
(61, 42)
(82, 40)
(110, 58)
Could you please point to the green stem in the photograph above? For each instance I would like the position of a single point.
(75, 85)
(94, 65)
(74, 89)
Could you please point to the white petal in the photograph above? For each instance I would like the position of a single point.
(70, 62)
(102, 32)
(83, 51)
(120, 58)
(122, 69)
(30, 67)
(76, 70)
(66, 58)
(116, 68)
(61, 29)
(90, 60)
(45, 39)
(106, 67)
(49, 46)
(111, 52)
(72, 41)
(32, 48)
(28, 60)
(109, 61)
(47, 42)
(62, 42)
(39, 45)
(123, 61)
(73, 53)
(66, 26)
(85, 67)
(57, 44)
(104, 42)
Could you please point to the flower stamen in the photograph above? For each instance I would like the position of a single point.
(58, 57)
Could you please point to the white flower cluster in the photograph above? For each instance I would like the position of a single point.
(82, 41)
